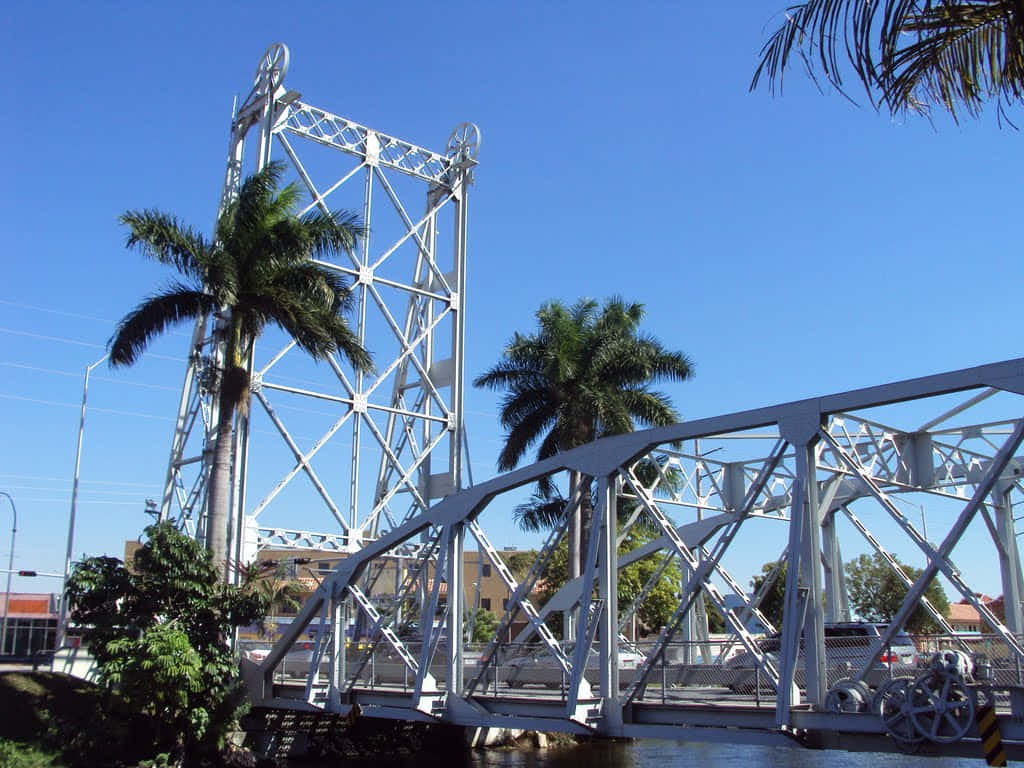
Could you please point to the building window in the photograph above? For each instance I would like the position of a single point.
(485, 570)
(485, 603)
(504, 604)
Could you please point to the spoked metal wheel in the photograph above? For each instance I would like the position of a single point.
(892, 704)
(941, 707)
(463, 143)
(272, 67)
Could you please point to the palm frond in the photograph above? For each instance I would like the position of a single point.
(523, 400)
(165, 239)
(522, 435)
(964, 54)
(152, 317)
(906, 53)
(650, 408)
(540, 512)
(248, 214)
(830, 31)
(509, 373)
(332, 234)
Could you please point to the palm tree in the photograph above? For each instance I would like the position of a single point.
(908, 53)
(585, 374)
(270, 581)
(256, 271)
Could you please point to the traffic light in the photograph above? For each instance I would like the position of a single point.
(26, 573)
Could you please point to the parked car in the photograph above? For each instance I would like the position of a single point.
(540, 668)
(300, 654)
(848, 646)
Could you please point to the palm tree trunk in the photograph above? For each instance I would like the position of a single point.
(219, 498)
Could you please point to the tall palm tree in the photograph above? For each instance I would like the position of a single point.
(585, 374)
(256, 271)
(908, 54)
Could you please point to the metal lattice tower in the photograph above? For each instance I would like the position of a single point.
(405, 420)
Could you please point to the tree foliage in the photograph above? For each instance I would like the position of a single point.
(659, 603)
(876, 593)
(272, 582)
(485, 624)
(774, 601)
(158, 632)
(585, 373)
(258, 270)
(908, 54)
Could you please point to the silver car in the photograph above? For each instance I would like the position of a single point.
(848, 647)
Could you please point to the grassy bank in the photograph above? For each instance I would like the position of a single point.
(54, 720)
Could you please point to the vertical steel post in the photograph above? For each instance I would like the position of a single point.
(569, 626)
(800, 431)
(607, 585)
(1009, 571)
(10, 570)
(63, 615)
(814, 622)
(456, 610)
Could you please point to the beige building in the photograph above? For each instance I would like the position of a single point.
(309, 567)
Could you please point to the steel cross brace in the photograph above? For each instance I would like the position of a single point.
(937, 559)
(699, 571)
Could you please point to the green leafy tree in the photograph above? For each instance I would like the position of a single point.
(158, 632)
(585, 373)
(257, 270)
(908, 54)
(519, 562)
(659, 603)
(485, 624)
(876, 593)
(774, 601)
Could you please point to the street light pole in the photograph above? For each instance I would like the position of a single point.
(62, 621)
(10, 567)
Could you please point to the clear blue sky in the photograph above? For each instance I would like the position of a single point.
(791, 246)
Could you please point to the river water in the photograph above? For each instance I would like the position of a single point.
(662, 754)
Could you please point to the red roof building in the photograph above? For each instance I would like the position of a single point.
(31, 623)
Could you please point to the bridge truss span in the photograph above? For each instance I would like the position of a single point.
(924, 472)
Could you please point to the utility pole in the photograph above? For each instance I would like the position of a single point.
(10, 567)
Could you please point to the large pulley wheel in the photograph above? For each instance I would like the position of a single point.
(941, 707)
(892, 704)
(272, 67)
(848, 696)
(463, 143)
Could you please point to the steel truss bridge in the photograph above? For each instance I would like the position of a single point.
(808, 475)
(794, 484)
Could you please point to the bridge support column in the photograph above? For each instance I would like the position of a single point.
(1010, 571)
(608, 590)
(837, 607)
(569, 616)
(337, 669)
(456, 609)
(803, 615)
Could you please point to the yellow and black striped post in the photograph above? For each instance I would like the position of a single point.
(991, 739)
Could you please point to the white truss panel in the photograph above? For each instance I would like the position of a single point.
(325, 448)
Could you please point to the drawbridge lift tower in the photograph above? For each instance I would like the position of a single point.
(372, 450)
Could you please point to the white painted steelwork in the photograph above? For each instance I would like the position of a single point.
(799, 468)
(404, 421)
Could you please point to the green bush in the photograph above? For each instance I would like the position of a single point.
(15, 755)
(158, 632)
